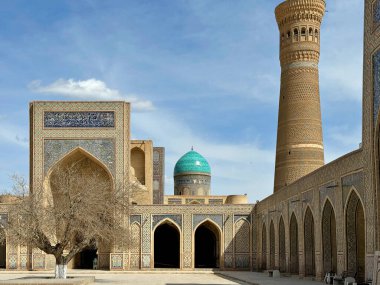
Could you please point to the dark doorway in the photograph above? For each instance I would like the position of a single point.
(206, 246)
(166, 246)
(86, 259)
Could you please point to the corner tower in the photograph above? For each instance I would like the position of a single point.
(299, 133)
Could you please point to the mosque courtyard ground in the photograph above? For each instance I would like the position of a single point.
(160, 278)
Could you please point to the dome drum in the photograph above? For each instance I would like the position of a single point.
(192, 175)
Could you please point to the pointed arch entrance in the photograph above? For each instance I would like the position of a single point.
(329, 239)
(166, 246)
(355, 231)
(207, 246)
(80, 174)
(281, 241)
(309, 243)
(294, 262)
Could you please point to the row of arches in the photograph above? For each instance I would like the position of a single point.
(167, 245)
(301, 34)
(354, 236)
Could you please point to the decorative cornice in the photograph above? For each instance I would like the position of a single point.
(295, 10)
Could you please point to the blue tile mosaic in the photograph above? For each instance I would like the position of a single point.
(192, 161)
(102, 149)
(376, 84)
(197, 219)
(79, 119)
(175, 218)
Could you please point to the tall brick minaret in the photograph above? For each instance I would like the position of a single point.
(299, 134)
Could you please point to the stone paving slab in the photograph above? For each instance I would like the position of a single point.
(45, 280)
(164, 277)
(257, 278)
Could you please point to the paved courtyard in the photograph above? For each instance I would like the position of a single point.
(170, 277)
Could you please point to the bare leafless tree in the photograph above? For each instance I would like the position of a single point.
(78, 206)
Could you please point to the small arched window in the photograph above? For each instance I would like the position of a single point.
(316, 35)
(288, 34)
(303, 32)
(295, 33)
(310, 31)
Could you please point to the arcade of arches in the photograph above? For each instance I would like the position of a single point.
(303, 238)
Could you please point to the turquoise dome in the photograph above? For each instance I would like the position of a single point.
(192, 162)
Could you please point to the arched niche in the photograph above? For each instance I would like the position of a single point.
(294, 255)
(138, 164)
(309, 243)
(329, 238)
(281, 242)
(355, 236)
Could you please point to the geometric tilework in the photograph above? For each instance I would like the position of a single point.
(197, 219)
(102, 149)
(376, 83)
(12, 261)
(228, 260)
(175, 218)
(146, 261)
(38, 261)
(135, 239)
(23, 261)
(146, 233)
(241, 261)
(79, 119)
(116, 261)
(242, 237)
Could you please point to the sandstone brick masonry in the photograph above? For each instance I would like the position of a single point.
(321, 218)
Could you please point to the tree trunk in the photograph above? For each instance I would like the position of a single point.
(60, 271)
(60, 268)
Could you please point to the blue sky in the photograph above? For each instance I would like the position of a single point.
(202, 73)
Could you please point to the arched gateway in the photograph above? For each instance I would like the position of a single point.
(207, 246)
(166, 246)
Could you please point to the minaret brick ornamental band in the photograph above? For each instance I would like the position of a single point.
(299, 135)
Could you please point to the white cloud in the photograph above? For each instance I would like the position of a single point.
(90, 89)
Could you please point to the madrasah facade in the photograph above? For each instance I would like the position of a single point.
(320, 218)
